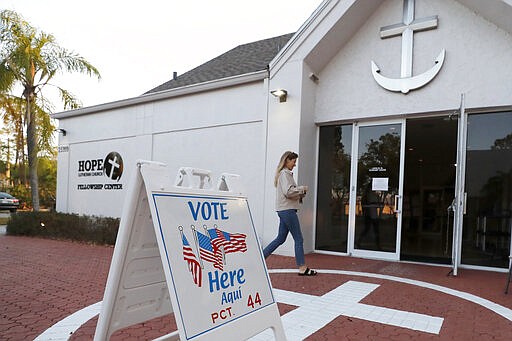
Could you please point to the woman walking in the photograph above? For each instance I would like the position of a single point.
(288, 198)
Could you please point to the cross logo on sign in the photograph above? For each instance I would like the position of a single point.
(113, 168)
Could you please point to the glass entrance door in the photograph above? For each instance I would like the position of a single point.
(333, 192)
(441, 195)
(487, 223)
(429, 189)
(376, 196)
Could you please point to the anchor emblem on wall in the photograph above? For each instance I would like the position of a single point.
(406, 29)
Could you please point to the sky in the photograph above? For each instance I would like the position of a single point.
(137, 45)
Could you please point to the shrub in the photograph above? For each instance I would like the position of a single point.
(92, 229)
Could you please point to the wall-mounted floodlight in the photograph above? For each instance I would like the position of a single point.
(62, 131)
(281, 94)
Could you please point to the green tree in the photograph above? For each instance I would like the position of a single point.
(385, 153)
(11, 109)
(31, 58)
(502, 144)
(48, 180)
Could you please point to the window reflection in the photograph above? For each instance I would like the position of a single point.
(487, 223)
(377, 186)
(333, 188)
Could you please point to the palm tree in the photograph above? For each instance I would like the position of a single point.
(31, 58)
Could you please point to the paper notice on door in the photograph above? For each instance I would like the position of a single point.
(380, 184)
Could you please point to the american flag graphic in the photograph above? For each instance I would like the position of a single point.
(208, 253)
(232, 242)
(217, 243)
(193, 265)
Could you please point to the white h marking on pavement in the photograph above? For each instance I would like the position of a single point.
(56, 332)
(315, 312)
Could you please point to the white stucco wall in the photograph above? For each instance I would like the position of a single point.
(222, 130)
(292, 127)
(234, 148)
(477, 63)
(283, 134)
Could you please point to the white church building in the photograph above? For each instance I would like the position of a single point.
(400, 111)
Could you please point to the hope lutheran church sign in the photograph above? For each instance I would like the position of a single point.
(111, 167)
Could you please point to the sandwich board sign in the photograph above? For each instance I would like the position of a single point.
(191, 249)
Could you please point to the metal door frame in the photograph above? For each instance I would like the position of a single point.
(459, 205)
(353, 192)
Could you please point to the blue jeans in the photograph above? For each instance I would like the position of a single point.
(288, 222)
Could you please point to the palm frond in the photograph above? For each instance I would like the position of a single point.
(72, 62)
(69, 100)
(6, 78)
(45, 129)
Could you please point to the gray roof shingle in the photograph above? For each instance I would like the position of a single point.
(243, 59)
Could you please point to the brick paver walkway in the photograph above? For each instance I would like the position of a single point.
(43, 281)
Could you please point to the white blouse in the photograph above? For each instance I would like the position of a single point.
(288, 194)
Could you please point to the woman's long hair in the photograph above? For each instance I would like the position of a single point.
(288, 155)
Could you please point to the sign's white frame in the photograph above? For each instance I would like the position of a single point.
(140, 286)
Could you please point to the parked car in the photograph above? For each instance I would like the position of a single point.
(8, 202)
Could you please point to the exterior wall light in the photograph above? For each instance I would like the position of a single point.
(281, 94)
(60, 130)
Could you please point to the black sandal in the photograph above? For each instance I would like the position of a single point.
(308, 272)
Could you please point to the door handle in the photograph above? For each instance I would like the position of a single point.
(397, 197)
(453, 205)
